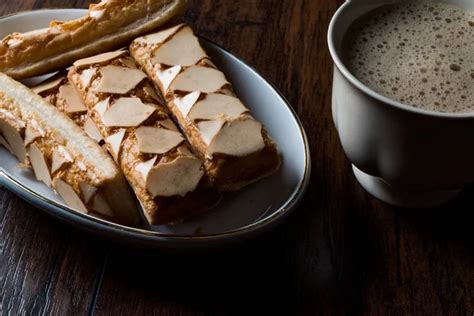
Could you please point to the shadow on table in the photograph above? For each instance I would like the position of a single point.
(449, 223)
(310, 263)
(253, 276)
(342, 258)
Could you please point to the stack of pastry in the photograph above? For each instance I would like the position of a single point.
(61, 155)
(169, 181)
(235, 148)
(178, 146)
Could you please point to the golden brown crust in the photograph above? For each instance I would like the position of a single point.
(175, 61)
(108, 25)
(158, 209)
(62, 156)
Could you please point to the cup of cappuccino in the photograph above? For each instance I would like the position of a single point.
(403, 96)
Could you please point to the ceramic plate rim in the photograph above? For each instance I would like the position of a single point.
(69, 215)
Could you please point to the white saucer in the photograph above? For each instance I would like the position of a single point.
(241, 215)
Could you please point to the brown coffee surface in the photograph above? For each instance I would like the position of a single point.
(417, 53)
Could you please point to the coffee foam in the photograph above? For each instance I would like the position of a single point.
(418, 53)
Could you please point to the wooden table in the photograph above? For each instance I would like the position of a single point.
(342, 251)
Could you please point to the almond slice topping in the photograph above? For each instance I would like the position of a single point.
(197, 78)
(238, 138)
(14, 139)
(182, 49)
(72, 98)
(175, 178)
(102, 106)
(167, 76)
(186, 103)
(69, 196)
(49, 84)
(98, 59)
(86, 76)
(60, 157)
(87, 191)
(209, 129)
(217, 106)
(92, 130)
(115, 142)
(119, 80)
(156, 140)
(58, 162)
(40, 167)
(127, 112)
(169, 124)
(31, 134)
(159, 37)
(144, 168)
(101, 206)
(5, 144)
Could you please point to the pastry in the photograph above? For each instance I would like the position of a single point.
(107, 26)
(236, 149)
(63, 95)
(168, 179)
(62, 156)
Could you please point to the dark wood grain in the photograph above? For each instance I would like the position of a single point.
(45, 267)
(341, 252)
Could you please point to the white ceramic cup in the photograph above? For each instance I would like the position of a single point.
(400, 154)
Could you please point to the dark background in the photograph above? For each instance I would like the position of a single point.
(340, 252)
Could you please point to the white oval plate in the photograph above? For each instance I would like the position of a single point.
(241, 215)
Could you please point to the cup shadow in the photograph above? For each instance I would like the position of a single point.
(449, 223)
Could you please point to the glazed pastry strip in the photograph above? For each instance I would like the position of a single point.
(61, 156)
(237, 149)
(108, 25)
(169, 181)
